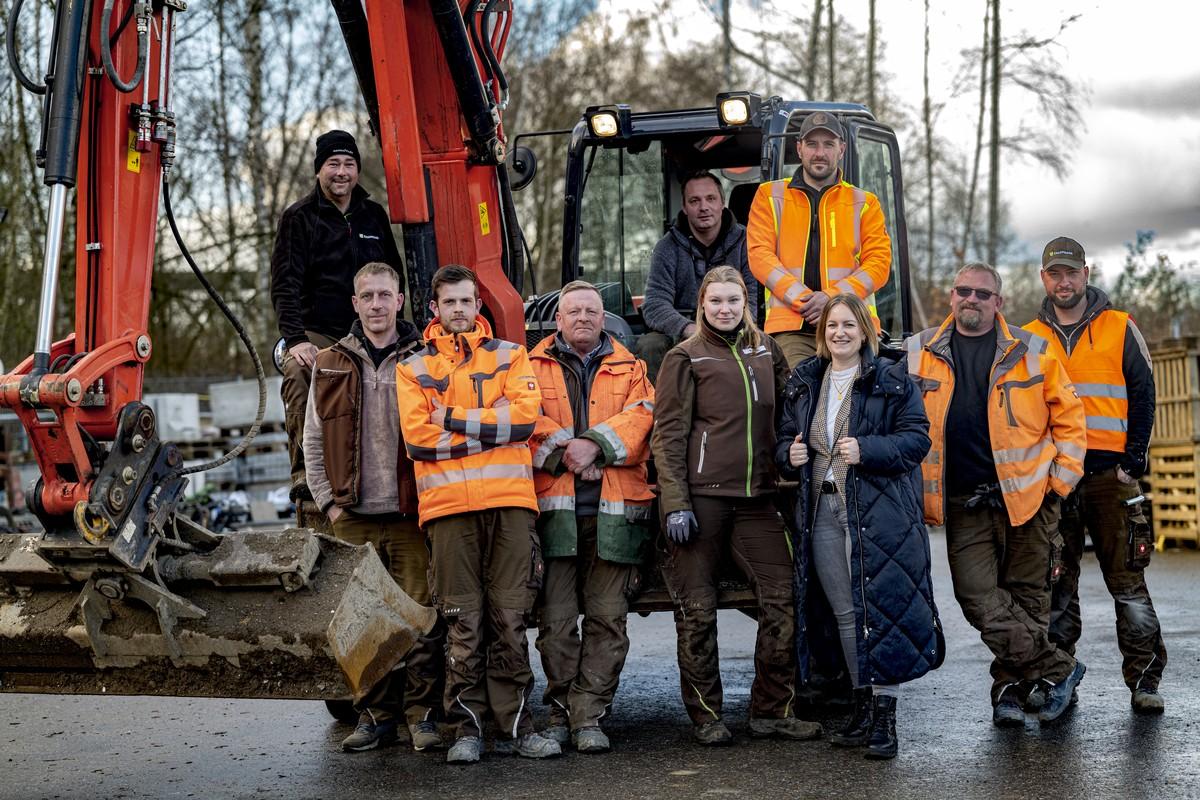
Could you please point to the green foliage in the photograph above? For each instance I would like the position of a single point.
(1164, 298)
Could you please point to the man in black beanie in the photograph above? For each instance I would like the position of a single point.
(322, 242)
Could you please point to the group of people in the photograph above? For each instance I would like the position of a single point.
(503, 486)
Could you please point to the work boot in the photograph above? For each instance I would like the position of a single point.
(712, 733)
(534, 745)
(559, 733)
(1146, 700)
(369, 734)
(425, 736)
(1036, 693)
(883, 743)
(785, 728)
(858, 728)
(1060, 696)
(466, 750)
(591, 740)
(1007, 713)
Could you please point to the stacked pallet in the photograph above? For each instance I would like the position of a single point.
(1175, 443)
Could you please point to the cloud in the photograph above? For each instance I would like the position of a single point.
(1168, 98)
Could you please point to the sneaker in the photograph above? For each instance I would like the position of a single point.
(1147, 700)
(534, 745)
(590, 740)
(466, 750)
(425, 736)
(559, 733)
(1007, 713)
(369, 734)
(712, 733)
(785, 728)
(1058, 699)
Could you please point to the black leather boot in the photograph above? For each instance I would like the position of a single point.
(858, 727)
(883, 742)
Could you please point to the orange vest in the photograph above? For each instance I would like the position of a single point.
(1095, 367)
(856, 252)
(478, 459)
(1035, 420)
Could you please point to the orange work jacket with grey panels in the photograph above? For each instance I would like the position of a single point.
(1035, 420)
(855, 249)
(479, 458)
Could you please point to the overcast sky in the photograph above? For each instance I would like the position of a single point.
(1138, 163)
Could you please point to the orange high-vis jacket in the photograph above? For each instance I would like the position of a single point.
(1035, 420)
(1099, 376)
(620, 414)
(856, 251)
(478, 459)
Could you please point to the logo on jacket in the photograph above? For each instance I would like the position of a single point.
(368, 236)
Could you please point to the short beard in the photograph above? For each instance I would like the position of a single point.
(972, 323)
(1068, 303)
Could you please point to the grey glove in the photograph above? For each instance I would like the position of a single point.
(681, 525)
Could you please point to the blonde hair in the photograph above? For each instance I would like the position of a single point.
(861, 315)
(727, 274)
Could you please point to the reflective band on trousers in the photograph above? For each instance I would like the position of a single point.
(1108, 424)
(451, 477)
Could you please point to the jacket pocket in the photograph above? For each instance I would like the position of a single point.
(537, 566)
(333, 391)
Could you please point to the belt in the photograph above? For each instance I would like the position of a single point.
(828, 487)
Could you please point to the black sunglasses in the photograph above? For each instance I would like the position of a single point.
(966, 291)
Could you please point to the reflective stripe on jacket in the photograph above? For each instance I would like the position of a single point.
(856, 252)
(478, 459)
(1035, 420)
(1097, 372)
(620, 415)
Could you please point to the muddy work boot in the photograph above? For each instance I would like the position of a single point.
(1008, 712)
(559, 733)
(712, 733)
(466, 750)
(858, 728)
(591, 740)
(531, 745)
(785, 728)
(369, 734)
(1062, 694)
(1146, 700)
(883, 742)
(425, 736)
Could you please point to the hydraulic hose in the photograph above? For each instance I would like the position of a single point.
(241, 332)
(143, 46)
(10, 40)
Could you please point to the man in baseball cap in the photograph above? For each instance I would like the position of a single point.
(1107, 360)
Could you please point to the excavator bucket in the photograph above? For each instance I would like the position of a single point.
(280, 614)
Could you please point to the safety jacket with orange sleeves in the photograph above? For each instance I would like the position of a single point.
(615, 410)
(856, 252)
(478, 458)
(1107, 359)
(1034, 418)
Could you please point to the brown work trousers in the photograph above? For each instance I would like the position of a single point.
(750, 533)
(583, 670)
(1001, 577)
(487, 569)
(294, 391)
(797, 346)
(415, 687)
(1095, 508)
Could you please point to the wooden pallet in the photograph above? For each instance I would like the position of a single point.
(1175, 485)
(1177, 390)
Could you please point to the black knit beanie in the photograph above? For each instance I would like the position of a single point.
(335, 143)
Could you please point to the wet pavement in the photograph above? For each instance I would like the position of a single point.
(114, 747)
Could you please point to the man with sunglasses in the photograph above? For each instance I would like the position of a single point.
(1107, 359)
(1008, 444)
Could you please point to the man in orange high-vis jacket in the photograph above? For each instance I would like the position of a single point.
(590, 449)
(468, 404)
(1008, 444)
(813, 237)
(1108, 362)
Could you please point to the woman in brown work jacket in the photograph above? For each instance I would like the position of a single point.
(713, 434)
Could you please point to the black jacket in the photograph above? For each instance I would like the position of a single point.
(317, 252)
(890, 561)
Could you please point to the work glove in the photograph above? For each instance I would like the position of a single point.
(681, 525)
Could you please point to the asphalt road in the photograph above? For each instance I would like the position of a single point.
(113, 747)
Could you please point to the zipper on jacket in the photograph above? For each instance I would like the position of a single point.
(1012, 421)
(703, 447)
(749, 418)
(862, 570)
(753, 382)
(478, 382)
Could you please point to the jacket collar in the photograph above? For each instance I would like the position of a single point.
(458, 345)
(797, 182)
(407, 336)
(1096, 302)
(730, 235)
(357, 196)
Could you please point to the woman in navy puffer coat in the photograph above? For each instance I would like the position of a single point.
(854, 416)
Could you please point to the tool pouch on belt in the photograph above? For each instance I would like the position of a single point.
(1140, 543)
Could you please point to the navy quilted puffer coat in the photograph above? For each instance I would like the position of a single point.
(899, 633)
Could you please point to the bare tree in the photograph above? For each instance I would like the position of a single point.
(927, 117)
(814, 38)
(872, 33)
(830, 38)
(994, 147)
(984, 60)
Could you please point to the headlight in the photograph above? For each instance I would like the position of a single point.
(737, 108)
(607, 122)
(604, 125)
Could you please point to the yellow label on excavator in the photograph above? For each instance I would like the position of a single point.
(133, 159)
(485, 227)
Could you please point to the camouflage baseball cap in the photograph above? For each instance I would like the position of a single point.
(1064, 251)
(819, 120)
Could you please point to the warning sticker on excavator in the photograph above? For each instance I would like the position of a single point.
(485, 227)
(133, 159)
